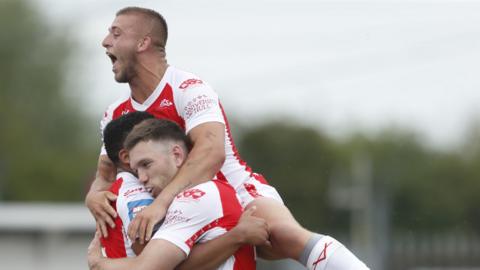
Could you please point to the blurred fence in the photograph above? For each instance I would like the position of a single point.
(435, 251)
(44, 236)
(56, 236)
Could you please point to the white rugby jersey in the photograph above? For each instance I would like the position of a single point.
(202, 213)
(187, 100)
(131, 198)
(196, 215)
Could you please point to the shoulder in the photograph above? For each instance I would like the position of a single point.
(183, 80)
(131, 188)
(198, 194)
(203, 199)
(132, 197)
(121, 101)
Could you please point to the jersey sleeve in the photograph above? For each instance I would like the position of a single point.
(198, 104)
(191, 214)
(107, 117)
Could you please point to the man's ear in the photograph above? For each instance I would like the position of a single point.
(144, 44)
(123, 156)
(179, 155)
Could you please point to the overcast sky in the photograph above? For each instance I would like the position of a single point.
(337, 65)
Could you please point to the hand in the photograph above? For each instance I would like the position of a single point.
(98, 202)
(253, 230)
(144, 221)
(94, 252)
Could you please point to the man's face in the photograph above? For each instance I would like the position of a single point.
(155, 163)
(121, 43)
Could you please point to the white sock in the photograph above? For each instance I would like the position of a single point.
(329, 254)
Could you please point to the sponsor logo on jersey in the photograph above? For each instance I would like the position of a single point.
(198, 104)
(165, 103)
(134, 191)
(252, 190)
(135, 207)
(125, 111)
(189, 83)
(175, 216)
(191, 194)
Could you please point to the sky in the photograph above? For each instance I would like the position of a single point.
(334, 65)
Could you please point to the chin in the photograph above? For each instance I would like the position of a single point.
(120, 79)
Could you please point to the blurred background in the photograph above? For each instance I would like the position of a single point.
(365, 115)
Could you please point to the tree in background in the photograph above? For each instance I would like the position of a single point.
(43, 154)
(299, 162)
(427, 190)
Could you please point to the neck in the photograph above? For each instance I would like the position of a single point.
(150, 72)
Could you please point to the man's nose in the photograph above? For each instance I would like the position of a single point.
(142, 176)
(106, 41)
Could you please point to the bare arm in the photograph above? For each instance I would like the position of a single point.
(250, 230)
(158, 255)
(105, 175)
(203, 162)
(97, 199)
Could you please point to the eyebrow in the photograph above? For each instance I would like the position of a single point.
(113, 28)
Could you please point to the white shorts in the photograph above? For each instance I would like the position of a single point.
(255, 187)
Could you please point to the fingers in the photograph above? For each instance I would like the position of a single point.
(108, 209)
(142, 229)
(103, 212)
(133, 228)
(149, 231)
(250, 211)
(106, 218)
(102, 228)
(110, 196)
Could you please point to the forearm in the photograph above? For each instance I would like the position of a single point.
(201, 165)
(116, 264)
(105, 175)
(99, 184)
(212, 254)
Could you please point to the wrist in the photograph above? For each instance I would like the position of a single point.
(89, 195)
(238, 236)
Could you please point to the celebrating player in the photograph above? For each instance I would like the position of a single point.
(197, 214)
(136, 46)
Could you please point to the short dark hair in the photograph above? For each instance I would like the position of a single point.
(117, 130)
(159, 24)
(157, 130)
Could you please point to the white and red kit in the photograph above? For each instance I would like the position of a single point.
(131, 198)
(196, 215)
(202, 213)
(187, 100)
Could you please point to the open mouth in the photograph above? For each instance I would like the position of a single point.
(113, 58)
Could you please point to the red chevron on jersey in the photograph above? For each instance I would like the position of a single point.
(162, 108)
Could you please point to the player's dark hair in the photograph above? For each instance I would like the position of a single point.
(157, 130)
(159, 29)
(117, 130)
